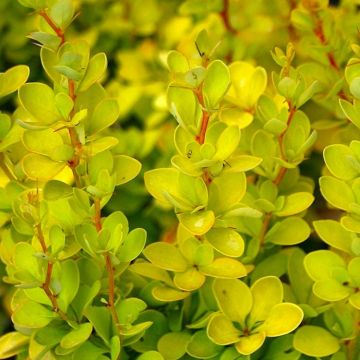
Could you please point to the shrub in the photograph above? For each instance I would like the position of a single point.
(253, 248)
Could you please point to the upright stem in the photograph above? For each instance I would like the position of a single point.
(109, 268)
(46, 285)
(56, 29)
(200, 138)
(225, 16)
(283, 170)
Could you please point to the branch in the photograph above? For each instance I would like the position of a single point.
(59, 33)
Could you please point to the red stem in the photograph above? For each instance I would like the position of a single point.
(56, 29)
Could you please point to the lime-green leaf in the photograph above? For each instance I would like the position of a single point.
(216, 83)
(201, 347)
(95, 70)
(341, 161)
(39, 167)
(132, 246)
(198, 223)
(225, 268)
(189, 280)
(177, 62)
(334, 234)
(227, 292)
(164, 293)
(13, 78)
(315, 341)
(76, 336)
(39, 100)
(12, 344)
(295, 203)
(226, 241)
(173, 345)
(105, 114)
(32, 315)
(166, 256)
(282, 319)
(222, 331)
(290, 231)
(249, 344)
(70, 281)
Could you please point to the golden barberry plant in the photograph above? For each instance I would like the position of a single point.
(253, 248)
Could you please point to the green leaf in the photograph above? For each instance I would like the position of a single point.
(221, 330)
(315, 341)
(105, 114)
(198, 223)
(227, 241)
(266, 292)
(128, 310)
(95, 70)
(12, 344)
(295, 203)
(249, 344)
(165, 256)
(164, 293)
(201, 347)
(177, 62)
(173, 345)
(243, 163)
(184, 107)
(332, 233)
(227, 292)
(100, 318)
(43, 142)
(70, 281)
(351, 112)
(39, 100)
(341, 161)
(76, 336)
(225, 268)
(216, 83)
(32, 315)
(320, 264)
(150, 355)
(227, 142)
(13, 78)
(336, 192)
(282, 319)
(62, 12)
(290, 231)
(355, 87)
(55, 189)
(190, 280)
(132, 246)
(39, 167)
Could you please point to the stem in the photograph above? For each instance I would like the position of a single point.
(46, 285)
(56, 29)
(264, 228)
(283, 170)
(200, 138)
(226, 19)
(109, 268)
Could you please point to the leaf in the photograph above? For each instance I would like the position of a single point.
(12, 344)
(105, 114)
(70, 281)
(243, 163)
(227, 241)
(266, 292)
(341, 161)
(150, 355)
(282, 319)
(55, 189)
(295, 203)
(95, 70)
(290, 231)
(225, 268)
(160, 181)
(132, 246)
(76, 336)
(128, 310)
(164, 293)
(216, 83)
(336, 192)
(333, 234)
(249, 344)
(227, 292)
(100, 318)
(173, 345)
(13, 78)
(62, 12)
(321, 263)
(42, 142)
(198, 223)
(39, 100)
(32, 315)
(222, 331)
(350, 111)
(190, 280)
(201, 347)
(227, 142)
(330, 290)
(315, 341)
(165, 256)
(177, 62)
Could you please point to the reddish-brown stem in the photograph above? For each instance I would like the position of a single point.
(46, 285)
(319, 32)
(264, 229)
(225, 16)
(283, 170)
(109, 268)
(200, 138)
(56, 29)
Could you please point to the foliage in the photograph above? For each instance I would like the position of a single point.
(127, 233)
